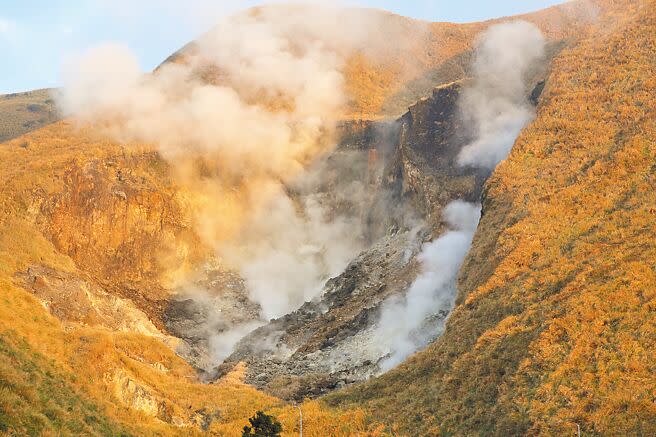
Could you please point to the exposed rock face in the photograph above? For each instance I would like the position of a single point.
(121, 226)
(326, 343)
(423, 171)
(71, 298)
(331, 341)
(139, 396)
(367, 134)
(344, 182)
(211, 305)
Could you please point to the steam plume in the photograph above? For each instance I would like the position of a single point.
(254, 100)
(496, 105)
(288, 253)
(403, 320)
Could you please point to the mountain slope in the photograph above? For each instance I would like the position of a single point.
(25, 112)
(86, 224)
(554, 325)
(383, 84)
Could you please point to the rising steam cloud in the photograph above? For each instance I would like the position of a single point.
(255, 100)
(233, 123)
(403, 320)
(292, 251)
(496, 107)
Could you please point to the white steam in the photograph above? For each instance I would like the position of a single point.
(289, 252)
(497, 108)
(221, 344)
(254, 101)
(403, 319)
(496, 105)
(275, 89)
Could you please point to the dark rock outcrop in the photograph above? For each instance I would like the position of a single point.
(211, 305)
(423, 171)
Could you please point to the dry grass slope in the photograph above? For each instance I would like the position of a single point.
(433, 54)
(556, 322)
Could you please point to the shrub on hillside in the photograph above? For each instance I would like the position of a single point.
(262, 425)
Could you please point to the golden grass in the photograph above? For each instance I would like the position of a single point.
(556, 323)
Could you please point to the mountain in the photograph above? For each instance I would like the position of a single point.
(25, 112)
(552, 323)
(423, 55)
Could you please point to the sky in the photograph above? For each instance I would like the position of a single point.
(38, 36)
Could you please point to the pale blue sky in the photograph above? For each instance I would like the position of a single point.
(37, 35)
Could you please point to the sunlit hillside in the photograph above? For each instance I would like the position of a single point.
(438, 53)
(424, 55)
(553, 325)
(554, 322)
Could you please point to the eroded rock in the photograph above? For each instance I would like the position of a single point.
(72, 297)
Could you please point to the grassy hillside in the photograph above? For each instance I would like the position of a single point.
(25, 112)
(556, 324)
(76, 374)
(433, 54)
(36, 397)
(558, 267)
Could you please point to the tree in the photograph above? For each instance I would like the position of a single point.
(262, 425)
